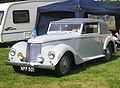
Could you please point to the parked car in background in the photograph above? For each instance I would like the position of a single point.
(17, 19)
(68, 42)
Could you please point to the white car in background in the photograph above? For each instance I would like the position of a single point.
(68, 42)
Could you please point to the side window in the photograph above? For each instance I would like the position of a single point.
(90, 28)
(21, 16)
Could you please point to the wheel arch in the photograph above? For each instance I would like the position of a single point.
(112, 46)
(61, 50)
(58, 66)
(71, 56)
(110, 41)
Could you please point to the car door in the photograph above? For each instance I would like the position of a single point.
(89, 43)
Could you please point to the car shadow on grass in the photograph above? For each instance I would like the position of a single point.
(41, 72)
(3, 45)
(78, 68)
(75, 69)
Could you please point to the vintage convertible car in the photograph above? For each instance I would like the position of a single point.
(68, 42)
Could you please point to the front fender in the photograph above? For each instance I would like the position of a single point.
(18, 47)
(60, 50)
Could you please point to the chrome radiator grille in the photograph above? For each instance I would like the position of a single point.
(33, 49)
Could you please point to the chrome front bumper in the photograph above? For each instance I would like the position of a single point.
(29, 64)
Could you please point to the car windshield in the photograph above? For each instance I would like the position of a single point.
(64, 27)
(1, 16)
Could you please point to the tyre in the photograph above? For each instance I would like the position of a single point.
(17, 69)
(64, 66)
(108, 53)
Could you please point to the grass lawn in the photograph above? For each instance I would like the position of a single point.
(96, 75)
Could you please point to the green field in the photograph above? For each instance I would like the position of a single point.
(96, 75)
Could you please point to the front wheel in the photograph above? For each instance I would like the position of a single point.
(64, 66)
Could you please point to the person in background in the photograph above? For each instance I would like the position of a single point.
(117, 38)
(34, 33)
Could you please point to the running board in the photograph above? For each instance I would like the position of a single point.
(93, 57)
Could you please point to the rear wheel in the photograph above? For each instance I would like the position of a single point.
(64, 66)
(17, 69)
(108, 53)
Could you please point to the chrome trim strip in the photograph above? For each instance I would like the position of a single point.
(15, 32)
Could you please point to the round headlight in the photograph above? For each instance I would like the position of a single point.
(20, 56)
(51, 55)
(12, 52)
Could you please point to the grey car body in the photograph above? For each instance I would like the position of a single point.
(63, 47)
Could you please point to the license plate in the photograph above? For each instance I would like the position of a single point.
(27, 34)
(29, 69)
